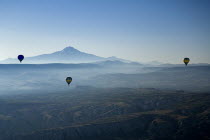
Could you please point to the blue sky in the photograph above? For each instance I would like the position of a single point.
(139, 30)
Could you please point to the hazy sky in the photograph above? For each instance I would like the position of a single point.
(139, 30)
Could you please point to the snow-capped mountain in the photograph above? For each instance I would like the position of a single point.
(67, 55)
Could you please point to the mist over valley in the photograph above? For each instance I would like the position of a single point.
(108, 98)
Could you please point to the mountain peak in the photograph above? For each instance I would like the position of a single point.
(67, 55)
(69, 48)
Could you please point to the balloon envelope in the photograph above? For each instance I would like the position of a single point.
(186, 61)
(68, 80)
(20, 57)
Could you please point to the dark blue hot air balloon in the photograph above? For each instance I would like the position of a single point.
(20, 58)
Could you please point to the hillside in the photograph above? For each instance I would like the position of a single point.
(98, 113)
(193, 78)
(18, 77)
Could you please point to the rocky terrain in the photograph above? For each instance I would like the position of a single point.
(88, 113)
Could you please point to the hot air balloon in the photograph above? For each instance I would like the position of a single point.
(20, 58)
(186, 61)
(68, 80)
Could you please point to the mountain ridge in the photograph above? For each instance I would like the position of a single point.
(67, 55)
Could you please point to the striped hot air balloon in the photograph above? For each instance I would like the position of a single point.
(186, 61)
(68, 80)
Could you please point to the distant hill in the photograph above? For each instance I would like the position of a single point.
(181, 65)
(72, 55)
(192, 78)
(67, 55)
